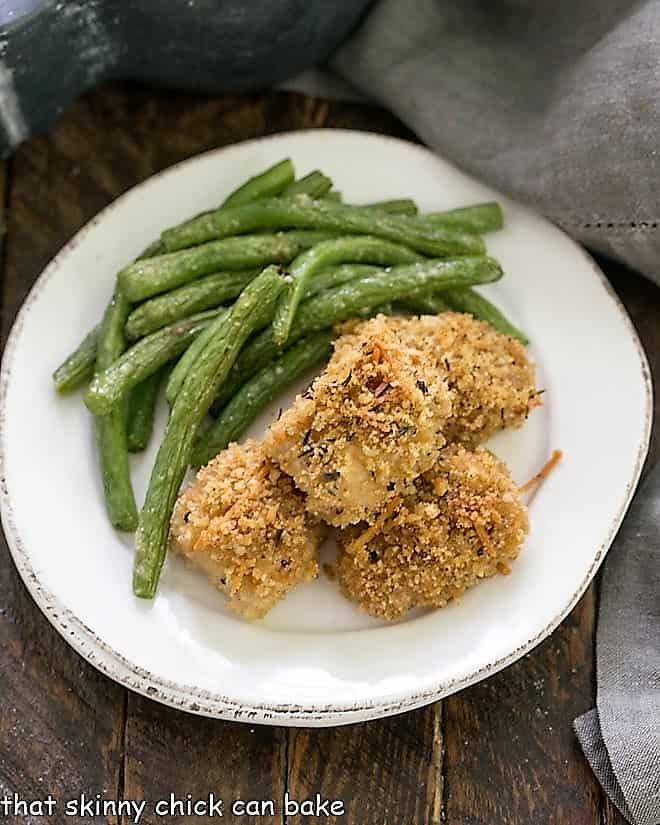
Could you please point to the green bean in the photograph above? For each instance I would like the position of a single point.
(253, 309)
(111, 428)
(482, 217)
(361, 249)
(304, 213)
(142, 360)
(110, 432)
(141, 411)
(78, 367)
(467, 300)
(251, 399)
(427, 303)
(155, 248)
(205, 293)
(316, 185)
(185, 364)
(266, 185)
(358, 297)
(144, 279)
(271, 182)
(328, 279)
(399, 206)
(212, 290)
(343, 302)
(336, 276)
(464, 300)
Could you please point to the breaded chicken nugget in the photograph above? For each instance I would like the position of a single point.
(491, 379)
(465, 522)
(244, 524)
(369, 425)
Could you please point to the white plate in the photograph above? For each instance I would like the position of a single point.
(316, 660)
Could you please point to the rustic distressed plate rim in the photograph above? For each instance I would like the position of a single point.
(194, 700)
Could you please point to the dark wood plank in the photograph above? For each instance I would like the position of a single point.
(171, 752)
(386, 771)
(611, 814)
(61, 723)
(290, 111)
(511, 756)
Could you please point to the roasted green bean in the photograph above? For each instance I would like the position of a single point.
(464, 300)
(336, 276)
(358, 297)
(110, 428)
(185, 364)
(251, 399)
(327, 279)
(467, 300)
(253, 309)
(204, 293)
(142, 360)
(144, 279)
(427, 303)
(304, 213)
(398, 206)
(482, 217)
(79, 366)
(316, 185)
(271, 182)
(155, 248)
(141, 411)
(361, 249)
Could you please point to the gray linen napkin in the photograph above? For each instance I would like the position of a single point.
(555, 103)
(621, 736)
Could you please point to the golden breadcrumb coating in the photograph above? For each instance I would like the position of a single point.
(465, 522)
(491, 379)
(369, 425)
(245, 525)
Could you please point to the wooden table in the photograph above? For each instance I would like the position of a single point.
(501, 752)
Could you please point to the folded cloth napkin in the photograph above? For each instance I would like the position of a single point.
(556, 104)
(621, 735)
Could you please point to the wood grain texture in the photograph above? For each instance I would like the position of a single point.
(502, 751)
(386, 771)
(511, 756)
(61, 722)
(171, 752)
(611, 814)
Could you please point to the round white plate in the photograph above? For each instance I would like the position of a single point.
(316, 660)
